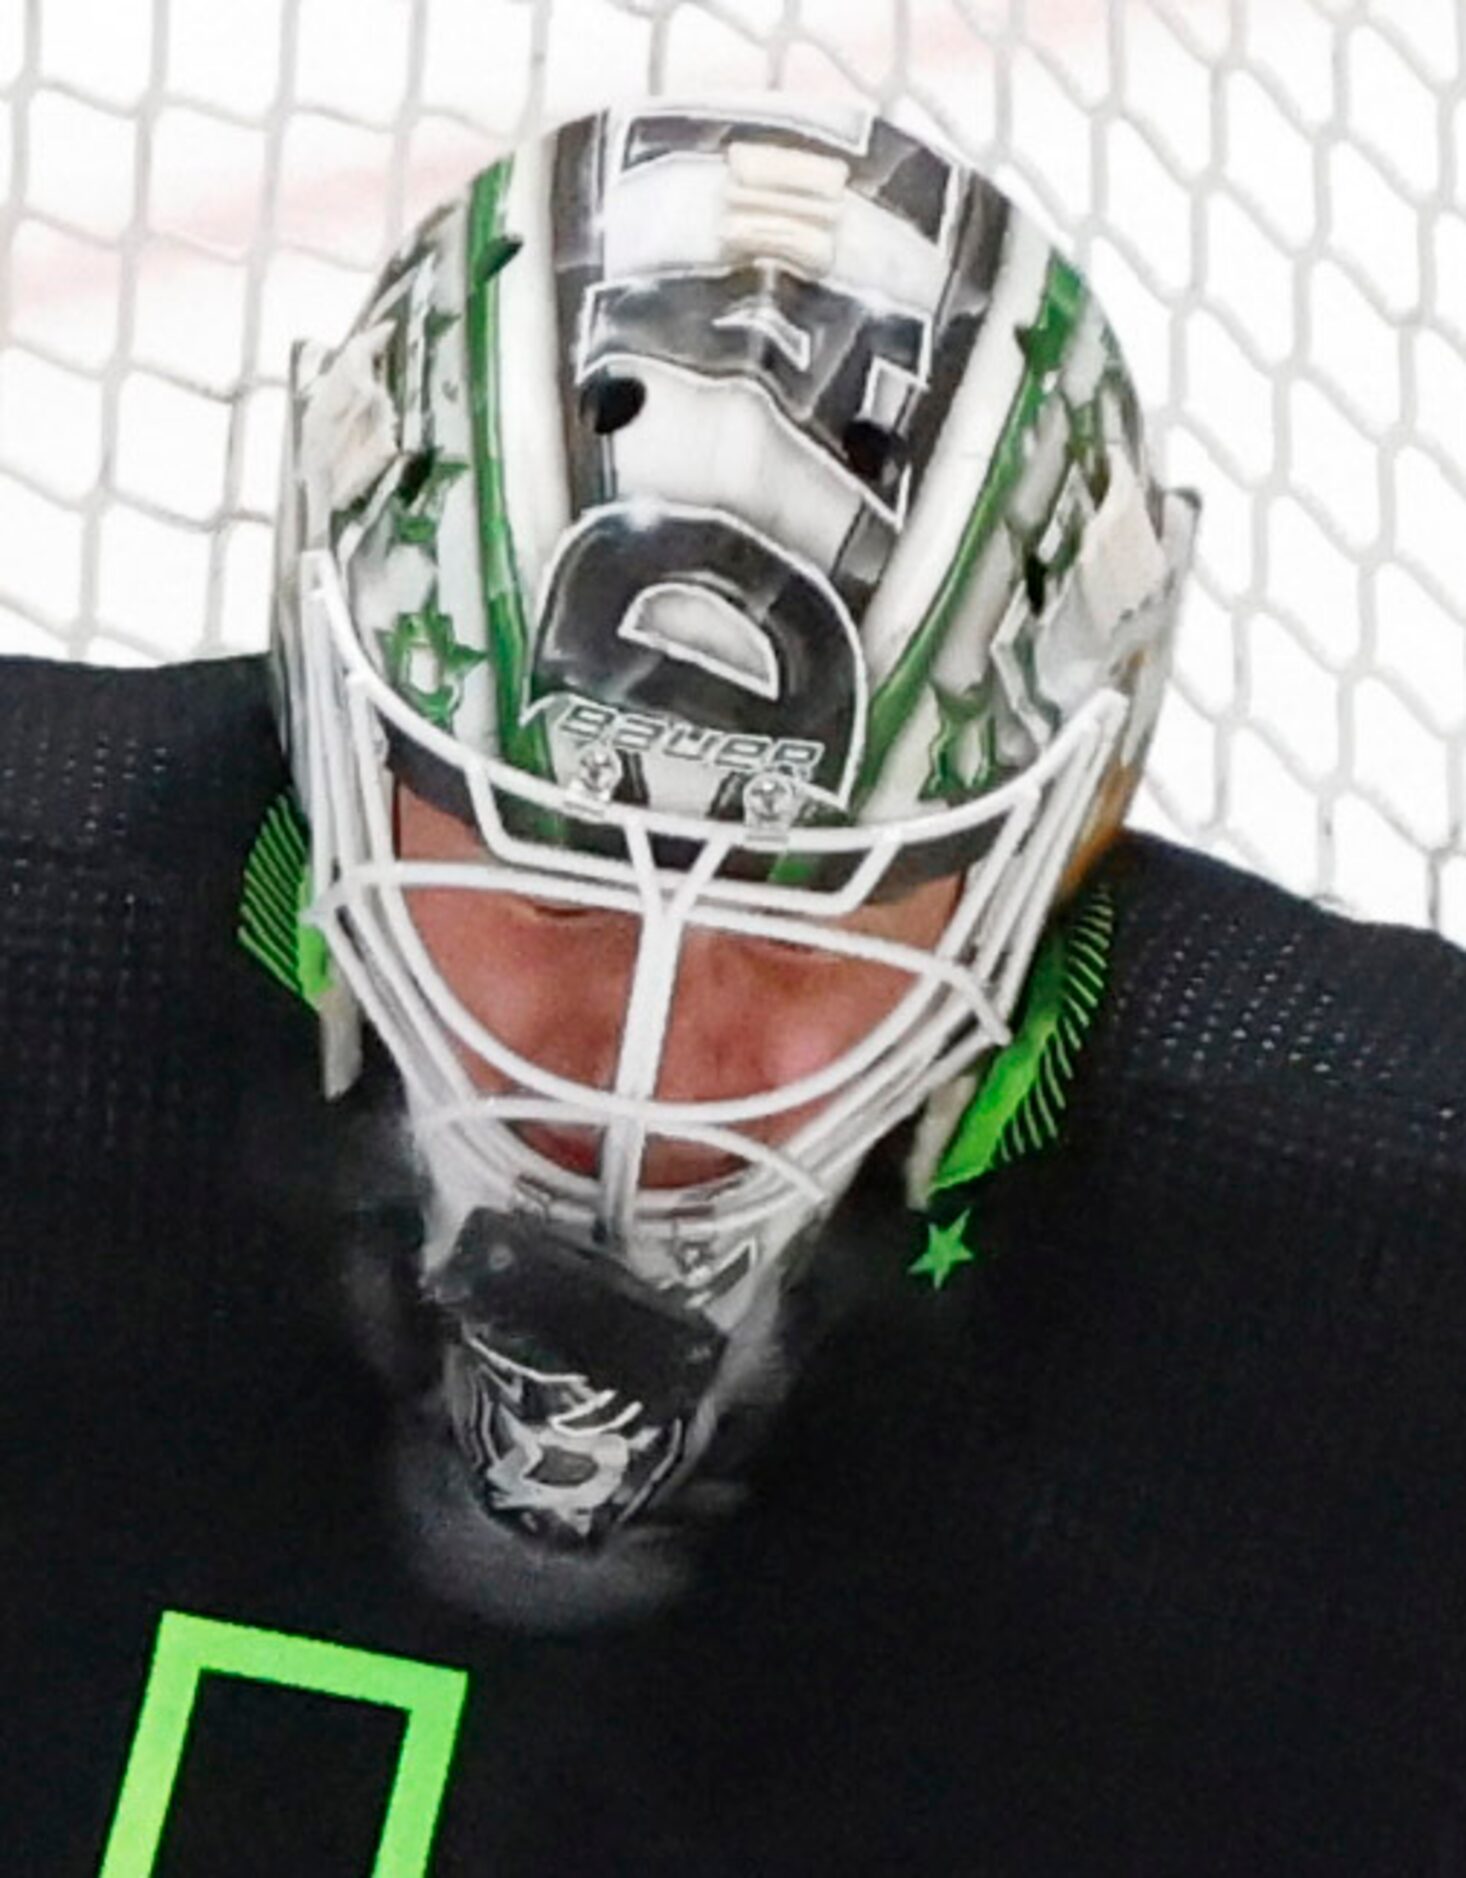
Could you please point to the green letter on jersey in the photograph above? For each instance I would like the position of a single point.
(189, 1647)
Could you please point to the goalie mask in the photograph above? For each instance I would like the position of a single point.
(734, 519)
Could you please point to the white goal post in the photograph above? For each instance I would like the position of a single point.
(1269, 196)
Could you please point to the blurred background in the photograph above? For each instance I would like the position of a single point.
(1268, 195)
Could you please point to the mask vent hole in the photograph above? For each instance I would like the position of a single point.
(871, 449)
(611, 403)
(1035, 580)
(415, 474)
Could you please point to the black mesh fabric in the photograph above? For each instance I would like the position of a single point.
(128, 801)
(1135, 1549)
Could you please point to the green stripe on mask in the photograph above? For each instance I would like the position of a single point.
(508, 636)
(1045, 345)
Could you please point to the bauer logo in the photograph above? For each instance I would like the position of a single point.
(668, 619)
(638, 733)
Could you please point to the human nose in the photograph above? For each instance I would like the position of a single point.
(737, 1025)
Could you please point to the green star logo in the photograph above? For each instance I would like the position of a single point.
(1086, 443)
(957, 711)
(1043, 344)
(946, 1249)
(426, 639)
(417, 508)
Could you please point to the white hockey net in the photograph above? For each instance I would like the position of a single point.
(1269, 196)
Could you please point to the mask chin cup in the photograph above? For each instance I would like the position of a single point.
(570, 1384)
(547, 1306)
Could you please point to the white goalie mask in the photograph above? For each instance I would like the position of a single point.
(734, 516)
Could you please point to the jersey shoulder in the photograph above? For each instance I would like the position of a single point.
(135, 1025)
(1185, 1020)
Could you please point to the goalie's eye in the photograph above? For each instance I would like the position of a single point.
(610, 403)
(871, 449)
(563, 912)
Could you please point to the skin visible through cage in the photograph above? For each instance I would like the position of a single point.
(748, 1014)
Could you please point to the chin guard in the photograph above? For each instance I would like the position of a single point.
(571, 1385)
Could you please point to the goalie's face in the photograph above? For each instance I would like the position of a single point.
(592, 1346)
(748, 1015)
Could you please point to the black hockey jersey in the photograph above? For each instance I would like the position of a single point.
(1135, 1546)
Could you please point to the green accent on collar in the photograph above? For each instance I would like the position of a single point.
(1019, 1105)
(946, 1249)
(276, 892)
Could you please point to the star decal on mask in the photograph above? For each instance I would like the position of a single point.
(1086, 441)
(417, 508)
(946, 1249)
(1045, 342)
(1097, 420)
(957, 712)
(426, 639)
(438, 321)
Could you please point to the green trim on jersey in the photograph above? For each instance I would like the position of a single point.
(1019, 1105)
(276, 893)
(429, 1696)
(946, 1249)
(1045, 347)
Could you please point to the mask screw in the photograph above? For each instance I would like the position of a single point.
(771, 799)
(598, 772)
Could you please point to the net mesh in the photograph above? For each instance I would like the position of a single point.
(1267, 194)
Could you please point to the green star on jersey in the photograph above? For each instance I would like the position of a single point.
(946, 1249)
(1019, 1105)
